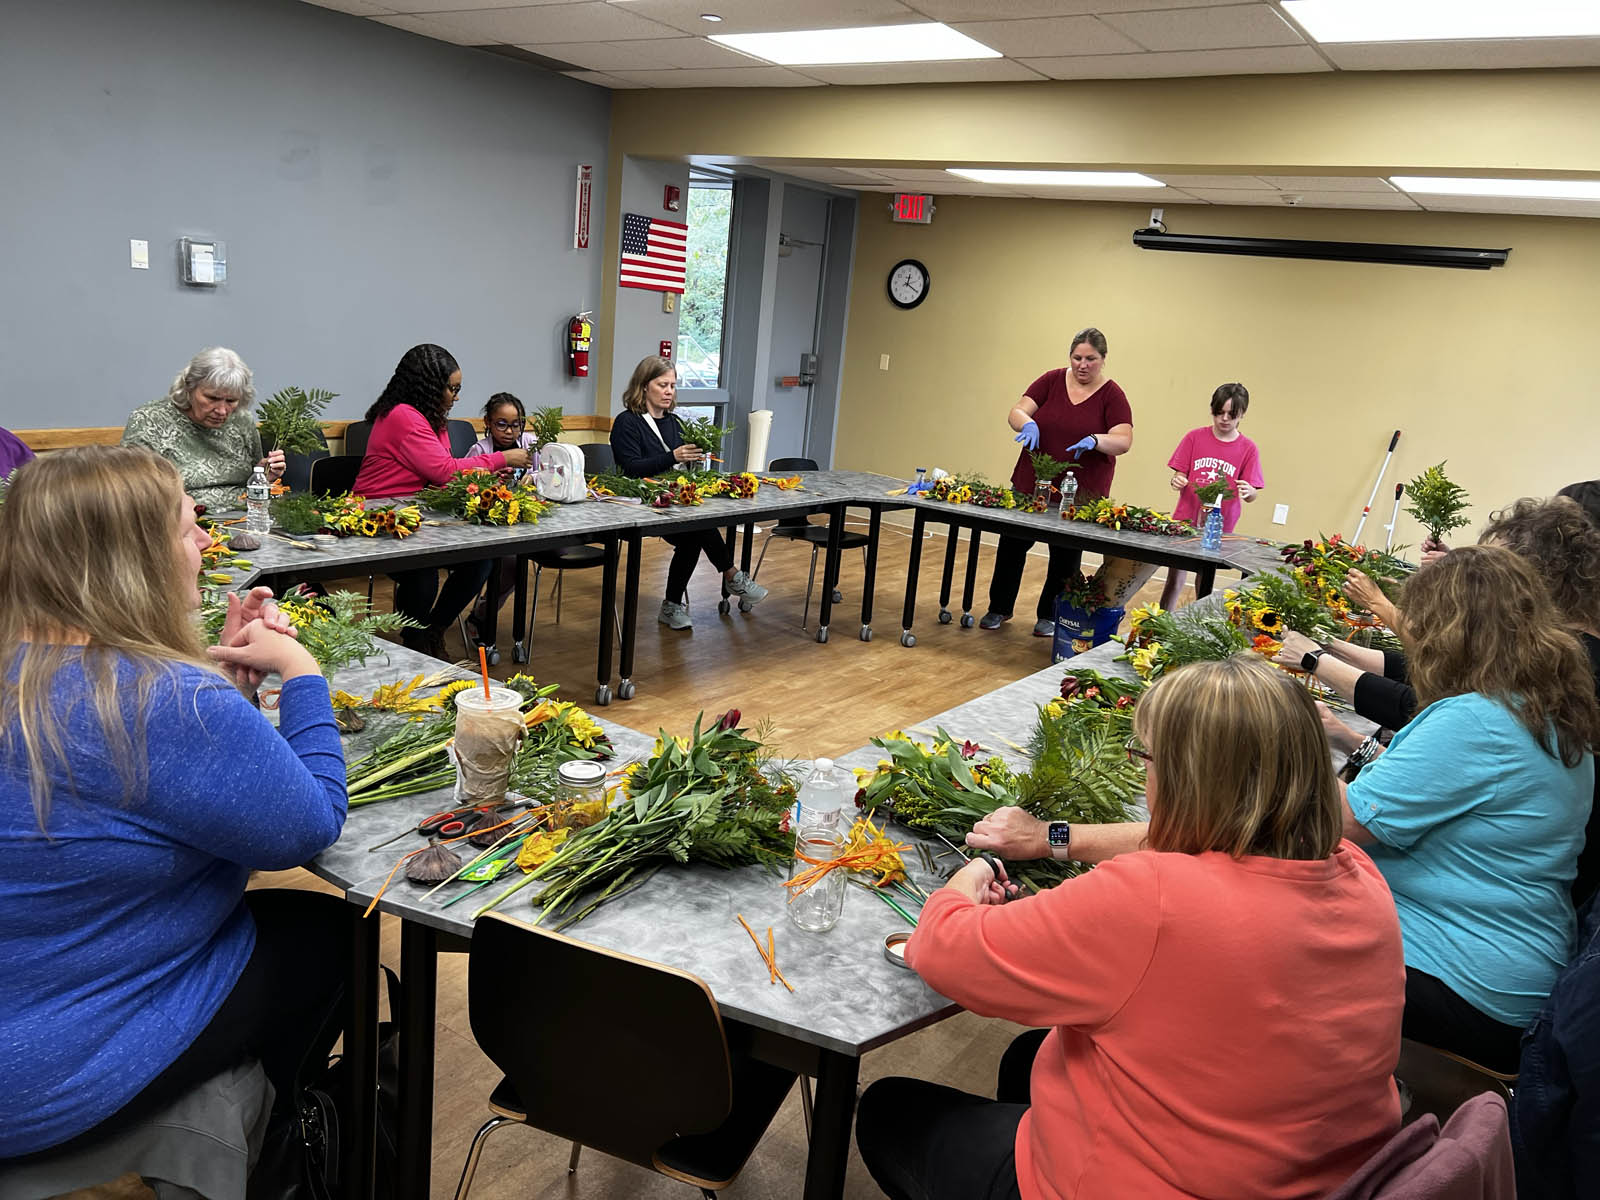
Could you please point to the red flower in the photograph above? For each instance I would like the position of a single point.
(1124, 701)
(783, 825)
(728, 719)
(970, 749)
(1091, 693)
(1069, 687)
(472, 489)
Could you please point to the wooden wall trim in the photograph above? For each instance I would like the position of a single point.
(40, 440)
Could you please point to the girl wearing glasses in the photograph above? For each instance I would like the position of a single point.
(505, 427)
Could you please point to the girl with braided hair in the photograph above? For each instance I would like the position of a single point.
(410, 449)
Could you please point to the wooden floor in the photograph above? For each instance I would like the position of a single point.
(816, 700)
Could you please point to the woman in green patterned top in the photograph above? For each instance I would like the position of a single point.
(202, 425)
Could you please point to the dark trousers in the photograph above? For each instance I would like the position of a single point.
(1009, 560)
(924, 1141)
(686, 551)
(417, 594)
(1438, 1017)
(279, 1011)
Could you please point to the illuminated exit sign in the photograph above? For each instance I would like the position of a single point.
(912, 206)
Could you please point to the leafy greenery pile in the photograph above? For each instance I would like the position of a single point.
(293, 419)
(483, 498)
(1436, 503)
(339, 629)
(713, 797)
(705, 433)
(1160, 641)
(975, 490)
(1103, 511)
(1047, 466)
(545, 424)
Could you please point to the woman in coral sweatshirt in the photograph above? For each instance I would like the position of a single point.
(409, 450)
(1224, 1000)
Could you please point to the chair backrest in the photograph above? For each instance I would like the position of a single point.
(462, 437)
(1442, 1082)
(792, 464)
(355, 437)
(598, 458)
(623, 1056)
(334, 475)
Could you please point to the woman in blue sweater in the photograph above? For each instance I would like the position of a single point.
(139, 787)
(647, 440)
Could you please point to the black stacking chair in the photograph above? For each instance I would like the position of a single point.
(334, 474)
(658, 1085)
(356, 435)
(800, 529)
(297, 466)
(462, 437)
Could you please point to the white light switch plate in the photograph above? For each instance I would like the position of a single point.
(883, 362)
(1280, 514)
(138, 254)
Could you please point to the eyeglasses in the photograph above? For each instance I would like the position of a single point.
(517, 424)
(453, 388)
(1135, 751)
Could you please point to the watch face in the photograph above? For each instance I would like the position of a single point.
(908, 283)
(1060, 833)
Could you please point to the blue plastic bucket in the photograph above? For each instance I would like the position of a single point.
(1077, 630)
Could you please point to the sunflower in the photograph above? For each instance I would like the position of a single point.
(446, 694)
(369, 528)
(1267, 621)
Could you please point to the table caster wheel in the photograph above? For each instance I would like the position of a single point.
(519, 653)
(866, 633)
(745, 606)
(822, 634)
(838, 596)
(625, 690)
(723, 607)
(966, 621)
(602, 695)
(493, 655)
(908, 639)
(944, 616)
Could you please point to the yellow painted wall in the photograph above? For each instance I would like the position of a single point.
(1494, 371)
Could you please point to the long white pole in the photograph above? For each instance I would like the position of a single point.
(1376, 484)
(1394, 517)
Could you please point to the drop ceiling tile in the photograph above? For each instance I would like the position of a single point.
(443, 28)
(631, 56)
(601, 79)
(773, 16)
(1046, 36)
(1449, 56)
(1230, 28)
(1328, 183)
(1307, 199)
(590, 21)
(1247, 183)
(1509, 204)
(439, 6)
(718, 77)
(920, 175)
(977, 70)
(843, 176)
(1103, 195)
(360, 8)
(1262, 61)
(1000, 10)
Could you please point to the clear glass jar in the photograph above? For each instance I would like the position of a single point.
(581, 781)
(816, 908)
(1041, 494)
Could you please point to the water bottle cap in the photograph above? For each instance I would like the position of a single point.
(824, 764)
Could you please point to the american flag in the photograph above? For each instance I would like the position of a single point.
(653, 253)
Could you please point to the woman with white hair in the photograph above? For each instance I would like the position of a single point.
(202, 426)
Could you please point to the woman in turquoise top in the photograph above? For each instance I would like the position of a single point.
(1476, 812)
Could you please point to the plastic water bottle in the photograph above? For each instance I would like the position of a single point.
(817, 839)
(921, 483)
(258, 502)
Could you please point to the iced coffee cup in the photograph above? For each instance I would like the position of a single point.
(488, 732)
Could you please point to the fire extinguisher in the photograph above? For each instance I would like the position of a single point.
(579, 330)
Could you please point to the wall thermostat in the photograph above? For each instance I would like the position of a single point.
(202, 263)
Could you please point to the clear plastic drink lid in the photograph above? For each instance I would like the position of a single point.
(472, 700)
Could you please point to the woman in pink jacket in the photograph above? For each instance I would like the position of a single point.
(410, 449)
(1223, 997)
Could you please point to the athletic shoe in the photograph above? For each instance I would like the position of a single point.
(675, 616)
(1044, 629)
(991, 620)
(742, 585)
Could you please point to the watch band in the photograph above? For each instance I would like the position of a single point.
(1309, 660)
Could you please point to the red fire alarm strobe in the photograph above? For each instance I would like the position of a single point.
(671, 198)
(666, 349)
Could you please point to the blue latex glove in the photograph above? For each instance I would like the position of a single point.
(1029, 436)
(1082, 444)
(925, 486)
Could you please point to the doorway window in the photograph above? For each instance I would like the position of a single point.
(700, 319)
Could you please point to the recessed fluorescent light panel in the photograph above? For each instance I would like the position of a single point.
(1521, 189)
(1081, 179)
(924, 42)
(1443, 20)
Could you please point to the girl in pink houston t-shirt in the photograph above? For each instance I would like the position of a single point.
(1205, 453)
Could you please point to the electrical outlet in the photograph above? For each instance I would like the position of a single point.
(883, 362)
(1280, 514)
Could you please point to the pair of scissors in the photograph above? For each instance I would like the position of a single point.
(995, 863)
(448, 824)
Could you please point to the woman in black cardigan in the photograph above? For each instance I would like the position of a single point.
(647, 440)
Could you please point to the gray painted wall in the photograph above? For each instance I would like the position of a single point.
(641, 326)
(375, 189)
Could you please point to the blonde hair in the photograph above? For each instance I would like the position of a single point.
(1480, 620)
(1240, 761)
(89, 550)
(651, 367)
(215, 367)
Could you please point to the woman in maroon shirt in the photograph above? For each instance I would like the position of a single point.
(1072, 412)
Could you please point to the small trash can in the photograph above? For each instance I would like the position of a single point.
(1077, 630)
